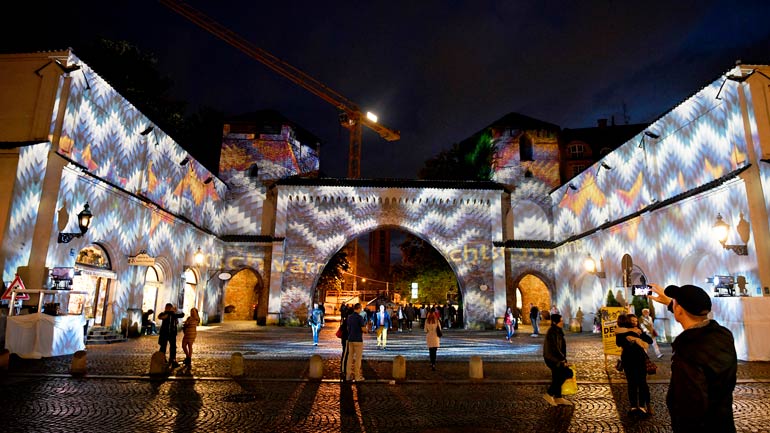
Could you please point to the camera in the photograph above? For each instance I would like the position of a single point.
(644, 290)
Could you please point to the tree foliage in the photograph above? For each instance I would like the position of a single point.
(470, 159)
(611, 301)
(331, 277)
(427, 267)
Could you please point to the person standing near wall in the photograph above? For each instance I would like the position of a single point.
(190, 330)
(704, 364)
(355, 346)
(168, 331)
(534, 317)
(509, 324)
(633, 341)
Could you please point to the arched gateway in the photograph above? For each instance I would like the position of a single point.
(315, 218)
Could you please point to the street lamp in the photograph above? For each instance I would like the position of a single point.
(84, 222)
(199, 257)
(590, 266)
(721, 232)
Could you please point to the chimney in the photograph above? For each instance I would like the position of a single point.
(602, 123)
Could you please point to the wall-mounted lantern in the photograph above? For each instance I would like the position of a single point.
(721, 232)
(590, 266)
(84, 222)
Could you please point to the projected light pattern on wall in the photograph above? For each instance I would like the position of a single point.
(460, 224)
(27, 191)
(701, 140)
(110, 138)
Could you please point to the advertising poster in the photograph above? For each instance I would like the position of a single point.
(609, 322)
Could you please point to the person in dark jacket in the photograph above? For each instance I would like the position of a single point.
(555, 356)
(344, 312)
(168, 329)
(704, 364)
(634, 342)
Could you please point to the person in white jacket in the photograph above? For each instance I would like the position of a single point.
(646, 323)
(432, 328)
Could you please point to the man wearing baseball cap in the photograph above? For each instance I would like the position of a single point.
(703, 366)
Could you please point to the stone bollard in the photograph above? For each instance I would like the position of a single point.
(316, 371)
(5, 359)
(476, 368)
(236, 364)
(78, 365)
(399, 368)
(158, 364)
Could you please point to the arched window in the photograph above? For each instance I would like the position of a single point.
(153, 282)
(190, 290)
(93, 275)
(525, 148)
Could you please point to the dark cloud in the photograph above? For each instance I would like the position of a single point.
(436, 70)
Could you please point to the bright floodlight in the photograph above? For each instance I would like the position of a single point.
(371, 116)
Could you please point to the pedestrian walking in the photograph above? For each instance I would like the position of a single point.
(634, 342)
(423, 316)
(168, 330)
(400, 318)
(555, 356)
(344, 313)
(646, 322)
(704, 364)
(381, 325)
(355, 346)
(509, 324)
(190, 331)
(316, 321)
(534, 317)
(432, 338)
(409, 311)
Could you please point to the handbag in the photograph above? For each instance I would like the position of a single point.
(570, 387)
(619, 366)
(339, 331)
(649, 365)
(439, 334)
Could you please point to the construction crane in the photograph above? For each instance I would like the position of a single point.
(351, 117)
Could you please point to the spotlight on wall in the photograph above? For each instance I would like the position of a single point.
(184, 161)
(605, 166)
(721, 232)
(66, 69)
(84, 222)
(208, 180)
(572, 186)
(590, 266)
(199, 257)
(651, 135)
(147, 130)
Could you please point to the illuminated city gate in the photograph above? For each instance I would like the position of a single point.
(317, 217)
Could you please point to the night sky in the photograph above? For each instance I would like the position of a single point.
(436, 71)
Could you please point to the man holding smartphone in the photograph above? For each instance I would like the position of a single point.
(704, 364)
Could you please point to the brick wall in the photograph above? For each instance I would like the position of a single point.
(241, 292)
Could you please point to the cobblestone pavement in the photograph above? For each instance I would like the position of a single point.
(118, 395)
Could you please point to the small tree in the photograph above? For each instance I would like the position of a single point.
(611, 301)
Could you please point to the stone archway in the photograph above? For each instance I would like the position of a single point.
(241, 296)
(316, 220)
(533, 291)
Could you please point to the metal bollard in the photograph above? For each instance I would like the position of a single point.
(399, 368)
(78, 365)
(316, 368)
(236, 364)
(476, 368)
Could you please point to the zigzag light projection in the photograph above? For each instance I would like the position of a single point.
(318, 220)
(103, 133)
(685, 164)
